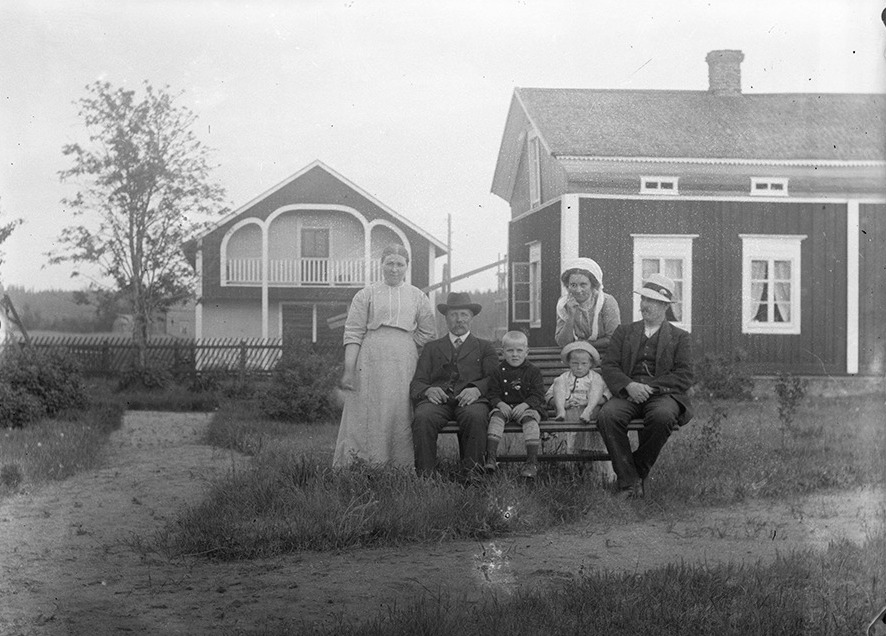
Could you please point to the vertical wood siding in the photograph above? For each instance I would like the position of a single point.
(872, 283)
(605, 235)
(543, 226)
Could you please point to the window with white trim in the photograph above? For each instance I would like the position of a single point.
(671, 255)
(526, 288)
(659, 185)
(768, 187)
(533, 154)
(535, 284)
(520, 292)
(770, 283)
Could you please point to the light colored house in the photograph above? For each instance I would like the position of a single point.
(767, 209)
(283, 264)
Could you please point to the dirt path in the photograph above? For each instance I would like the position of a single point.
(64, 568)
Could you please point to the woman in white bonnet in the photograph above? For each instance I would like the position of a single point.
(585, 312)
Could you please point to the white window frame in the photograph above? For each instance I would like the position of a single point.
(520, 279)
(769, 187)
(533, 157)
(535, 284)
(666, 186)
(301, 231)
(665, 246)
(770, 247)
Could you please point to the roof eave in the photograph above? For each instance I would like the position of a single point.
(439, 245)
(565, 160)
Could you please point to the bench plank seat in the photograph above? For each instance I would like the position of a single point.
(547, 359)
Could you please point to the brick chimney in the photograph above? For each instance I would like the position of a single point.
(724, 72)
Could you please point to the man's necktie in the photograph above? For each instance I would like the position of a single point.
(456, 343)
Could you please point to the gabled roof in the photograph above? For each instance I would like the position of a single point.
(653, 124)
(441, 248)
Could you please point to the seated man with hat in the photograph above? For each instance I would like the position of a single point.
(648, 369)
(450, 383)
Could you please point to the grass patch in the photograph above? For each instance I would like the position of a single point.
(290, 499)
(178, 397)
(837, 444)
(287, 503)
(54, 449)
(834, 592)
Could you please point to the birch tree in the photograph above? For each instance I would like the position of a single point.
(144, 189)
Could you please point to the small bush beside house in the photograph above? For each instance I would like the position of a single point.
(34, 384)
(302, 387)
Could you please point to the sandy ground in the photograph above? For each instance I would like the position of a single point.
(67, 565)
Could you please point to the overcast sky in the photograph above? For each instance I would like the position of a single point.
(406, 99)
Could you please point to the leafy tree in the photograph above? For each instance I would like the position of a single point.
(144, 182)
(5, 231)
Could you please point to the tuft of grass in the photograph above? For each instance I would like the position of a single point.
(838, 445)
(240, 426)
(54, 449)
(290, 499)
(830, 593)
(288, 503)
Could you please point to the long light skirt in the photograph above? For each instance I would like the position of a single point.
(376, 423)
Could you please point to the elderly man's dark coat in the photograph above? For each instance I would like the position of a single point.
(673, 363)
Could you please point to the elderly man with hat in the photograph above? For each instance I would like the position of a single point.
(450, 383)
(648, 369)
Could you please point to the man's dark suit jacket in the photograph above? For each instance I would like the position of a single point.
(477, 360)
(673, 363)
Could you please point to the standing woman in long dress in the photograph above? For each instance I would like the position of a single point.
(388, 322)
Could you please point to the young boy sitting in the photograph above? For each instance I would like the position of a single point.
(517, 391)
(577, 395)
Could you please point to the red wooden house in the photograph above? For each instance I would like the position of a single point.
(767, 209)
(294, 256)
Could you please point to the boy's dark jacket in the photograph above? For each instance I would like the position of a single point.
(513, 385)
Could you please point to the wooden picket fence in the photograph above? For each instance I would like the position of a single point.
(103, 356)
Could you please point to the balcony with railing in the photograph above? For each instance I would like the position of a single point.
(303, 272)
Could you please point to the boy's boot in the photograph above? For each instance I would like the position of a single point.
(530, 468)
(491, 454)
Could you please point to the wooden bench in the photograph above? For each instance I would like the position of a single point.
(547, 359)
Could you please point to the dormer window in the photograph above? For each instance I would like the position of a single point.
(768, 187)
(659, 185)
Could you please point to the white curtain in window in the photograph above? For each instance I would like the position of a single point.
(781, 290)
(759, 276)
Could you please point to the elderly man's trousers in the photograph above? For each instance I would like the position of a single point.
(428, 419)
(659, 413)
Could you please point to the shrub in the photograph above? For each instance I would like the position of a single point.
(53, 378)
(10, 476)
(18, 407)
(151, 377)
(790, 391)
(720, 376)
(711, 431)
(301, 390)
(204, 381)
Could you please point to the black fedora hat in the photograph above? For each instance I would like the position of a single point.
(459, 300)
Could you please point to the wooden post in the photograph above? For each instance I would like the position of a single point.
(106, 360)
(242, 361)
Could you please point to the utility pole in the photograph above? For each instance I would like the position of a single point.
(447, 274)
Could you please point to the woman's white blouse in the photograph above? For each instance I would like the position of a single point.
(380, 305)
